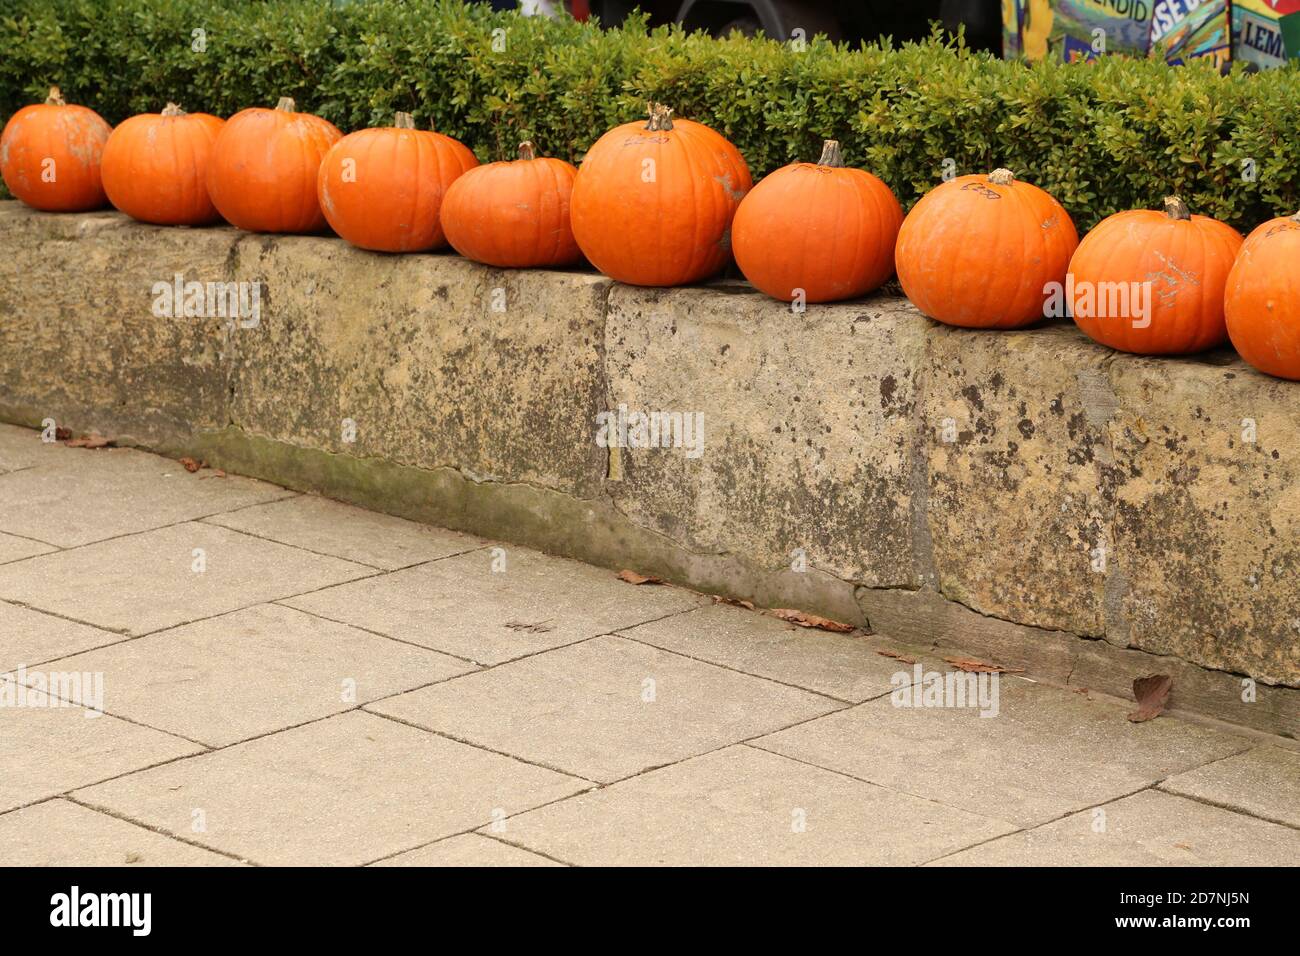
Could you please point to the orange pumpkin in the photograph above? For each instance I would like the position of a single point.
(262, 171)
(156, 167)
(50, 153)
(981, 251)
(383, 188)
(1152, 282)
(835, 229)
(653, 202)
(1262, 298)
(513, 214)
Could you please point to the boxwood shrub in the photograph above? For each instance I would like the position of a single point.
(1102, 137)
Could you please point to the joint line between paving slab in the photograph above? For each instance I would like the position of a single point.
(287, 544)
(108, 812)
(64, 617)
(213, 748)
(197, 519)
(171, 760)
(469, 743)
(528, 849)
(388, 637)
(1240, 811)
(737, 670)
(325, 554)
(1036, 826)
(476, 830)
(751, 742)
(28, 537)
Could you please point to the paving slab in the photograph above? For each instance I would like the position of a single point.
(330, 527)
(23, 448)
(47, 751)
(14, 548)
(1146, 829)
(1047, 752)
(31, 637)
(88, 495)
(1264, 782)
(254, 671)
(462, 606)
(468, 849)
(349, 789)
(745, 807)
(843, 666)
(62, 833)
(145, 582)
(606, 708)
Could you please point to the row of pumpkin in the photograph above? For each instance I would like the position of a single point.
(669, 202)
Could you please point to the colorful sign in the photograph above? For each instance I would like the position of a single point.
(1191, 30)
(1264, 33)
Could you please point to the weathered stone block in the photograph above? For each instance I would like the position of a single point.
(431, 361)
(79, 338)
(808, 426)
(1206, 492)
(1014, 426)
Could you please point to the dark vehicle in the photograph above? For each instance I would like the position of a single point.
(852, 20)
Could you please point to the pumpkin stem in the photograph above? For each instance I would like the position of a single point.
(403, 121)
(287, 105)
(1002, 177)
(1175, 208)
(526, 150)
(831, 155)
(661, 118)
(55, 97)
(172, 109)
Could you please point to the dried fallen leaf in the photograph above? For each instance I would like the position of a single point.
(981, 667)
(540, 627)
(191, 465)
(898, 657)
(62, 434)
(1151, 694)
(92, 440)
(804, 619)
(734, 602)
(631, 577)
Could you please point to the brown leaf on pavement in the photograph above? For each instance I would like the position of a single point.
(1151, 694)
(62, 434)
(981, 667)
(898, 657)
(734, 602)
(804, 619)
(191, 465)
(631, 577)
(90, 441)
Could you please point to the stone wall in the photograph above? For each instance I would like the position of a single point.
(1026, 494)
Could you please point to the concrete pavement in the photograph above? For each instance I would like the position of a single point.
(275, 678)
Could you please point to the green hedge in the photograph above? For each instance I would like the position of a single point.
(1103, 137)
